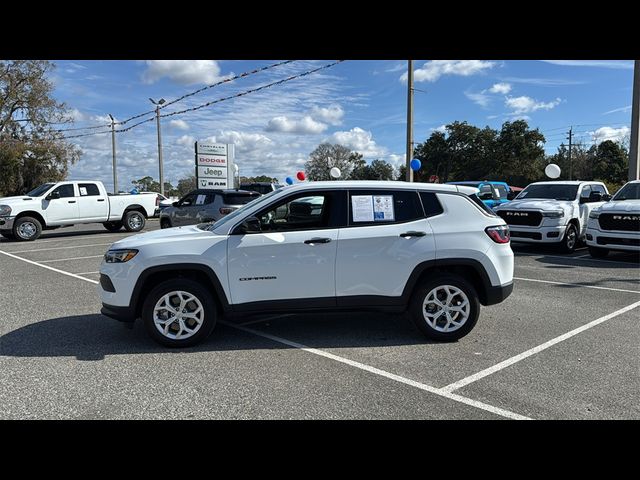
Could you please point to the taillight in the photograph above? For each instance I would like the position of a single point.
(499, 233)
(226, 210)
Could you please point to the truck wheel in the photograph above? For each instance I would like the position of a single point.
(570, 239)
(445, 308)
(8, 235)
(179, 313)
(112, 226)
(597, 252)
(165, 223)
(26, 229)
(133, 221)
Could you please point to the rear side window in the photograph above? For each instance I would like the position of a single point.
(88, 189)
(502, 190)
(378, 207)
(431, 204)
(239, 198)
(475, 199)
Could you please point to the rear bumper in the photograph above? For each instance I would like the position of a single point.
(498, 294)
(122, 314)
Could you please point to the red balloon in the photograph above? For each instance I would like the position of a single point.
(300, 176)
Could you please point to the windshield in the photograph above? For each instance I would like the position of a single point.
(240, 211)
(631, 191)
(36, 192)
(550, 191)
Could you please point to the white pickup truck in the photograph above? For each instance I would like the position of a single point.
(54, 205)
(553, 212)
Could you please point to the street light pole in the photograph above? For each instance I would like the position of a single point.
(113, 150)
(157, 104)
(409, 121)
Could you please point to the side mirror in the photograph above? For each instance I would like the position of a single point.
(176, 204)
(606, 197)
(511, 195)
(53, 196)
(486, 196)
(250, 225)
(595, 197)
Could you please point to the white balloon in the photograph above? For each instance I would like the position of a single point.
(552, 170)
(335, 172)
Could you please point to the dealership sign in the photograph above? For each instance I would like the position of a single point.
(214, 165)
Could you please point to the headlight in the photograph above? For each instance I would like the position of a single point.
(119, 256)
(594, 214)
(5, 210)
(553, 214)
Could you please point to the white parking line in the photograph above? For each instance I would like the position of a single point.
(510, 361)
(576, 285)
(61, 248)
(72, 258)
(48, 267)
(518, 254)
(86, 273)
(427, 388)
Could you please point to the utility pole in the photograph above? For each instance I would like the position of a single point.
(409, 121)
(634, 161)
(570, 138)
(113, 150)
(157, 104)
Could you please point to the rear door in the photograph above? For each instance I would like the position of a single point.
(387, 236)
(91, 205)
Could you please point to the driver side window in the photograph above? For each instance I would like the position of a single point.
(65, 191)
(188, 201)
(301, 213)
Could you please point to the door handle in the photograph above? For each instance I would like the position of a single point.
(317, 240)
(413, 234)
(71, 201)
(101, 199)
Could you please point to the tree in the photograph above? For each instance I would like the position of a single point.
(259, 178)
(32, 152)
(326, 156)
(185, 185)
(377, 170)
(611, 162)
(520, 157)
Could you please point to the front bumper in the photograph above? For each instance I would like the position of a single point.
(552, 234)
(497, 294)
(6, 223)
(627, 241)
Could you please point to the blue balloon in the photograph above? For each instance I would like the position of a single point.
(415, 164)
(289, 181)
(134, 191)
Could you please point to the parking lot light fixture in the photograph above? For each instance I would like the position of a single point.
(157, 104)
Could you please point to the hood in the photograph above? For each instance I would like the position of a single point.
(14, 200)
(536, 204)
(624, 206)
(177, 234)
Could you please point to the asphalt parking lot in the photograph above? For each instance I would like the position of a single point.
(565, 345)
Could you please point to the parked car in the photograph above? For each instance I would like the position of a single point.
(491, 193)
(553, 212)
(434, 250)
(54, 205)
(162, 202)
(261, 187)
(201, 206)
(616, 224)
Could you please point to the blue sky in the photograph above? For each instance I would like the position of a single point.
(359, 103)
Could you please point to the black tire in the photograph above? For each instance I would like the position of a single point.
(26, 229)
(165, 223)
(570, 239)
(421, 293)
(133, 221)
(8, 235)
(597, 252)
(112, 226)
(190, 287)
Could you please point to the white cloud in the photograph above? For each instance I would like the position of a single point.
(609, 133)
(479, 98)
(545, 82)
(442, 129)
(397, 160)
(179, 124)
(183, 72)
(434, 69)
(306, 125)
(77, 115)
(526, 104)
(621, 109)
(501, 87)
(186, 140)
(245, 142)
(332, 114)
(360, 141)
(626, 64)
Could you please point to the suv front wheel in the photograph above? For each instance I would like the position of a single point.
(179, 313)
(445, 308)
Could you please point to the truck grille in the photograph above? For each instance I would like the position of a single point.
(521, 217)
(620, 221)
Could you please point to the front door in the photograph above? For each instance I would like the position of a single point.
(293, 257)
(63, 209)
(188, 208)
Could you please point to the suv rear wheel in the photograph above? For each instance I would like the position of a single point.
(179, 313)
(445, 308)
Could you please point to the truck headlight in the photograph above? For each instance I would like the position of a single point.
(5, 210)
(553, 214)
(593, 214)
(119, 256)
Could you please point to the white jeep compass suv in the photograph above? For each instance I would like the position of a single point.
(434, 250)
